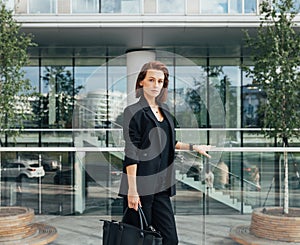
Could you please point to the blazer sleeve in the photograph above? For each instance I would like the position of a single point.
(132, 137)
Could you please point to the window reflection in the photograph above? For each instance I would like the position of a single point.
(250, 6)
(252, 97)
(236, 6)
(225, 86)
(171, 6)
(58, 96)
(120, 6)
(10, 4)
(42, 7)
(111, 6)
(190, 97)
(85, 6)
(214, 6)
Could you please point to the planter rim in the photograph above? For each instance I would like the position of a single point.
(259, 211)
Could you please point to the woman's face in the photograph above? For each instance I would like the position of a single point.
(153, 83)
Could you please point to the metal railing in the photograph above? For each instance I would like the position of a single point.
(239, 187)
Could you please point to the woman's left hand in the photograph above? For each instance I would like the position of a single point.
(202, 149)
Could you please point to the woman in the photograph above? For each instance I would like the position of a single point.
(149, 153)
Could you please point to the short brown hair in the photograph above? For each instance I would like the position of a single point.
(153, 65)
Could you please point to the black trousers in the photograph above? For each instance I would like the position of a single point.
(159, 213)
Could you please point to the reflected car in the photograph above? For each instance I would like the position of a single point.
(50, 163)
(22, 169)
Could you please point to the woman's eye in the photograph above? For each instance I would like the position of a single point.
(160, 81)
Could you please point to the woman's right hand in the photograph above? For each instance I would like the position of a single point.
(133, 200)
(133, 197)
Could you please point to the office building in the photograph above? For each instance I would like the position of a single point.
(97, 47)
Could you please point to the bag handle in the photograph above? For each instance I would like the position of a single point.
(142, 217)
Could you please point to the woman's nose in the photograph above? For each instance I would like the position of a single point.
(156, 83)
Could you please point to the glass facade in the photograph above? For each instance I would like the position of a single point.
(42, 7)
(180, 7)
(80, 107)
(76, 128)
(85, 6)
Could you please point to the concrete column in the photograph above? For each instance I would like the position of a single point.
(135, 60)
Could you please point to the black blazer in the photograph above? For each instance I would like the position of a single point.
(144, 142)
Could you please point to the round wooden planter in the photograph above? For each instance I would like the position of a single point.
(273, 227)
(17, 228)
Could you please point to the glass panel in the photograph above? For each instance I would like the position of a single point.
(42, 7)
(250, 6)
(85, 6)
(190, 96)
(10, 4)
(225, 85)
(171, 6)
(297, 5)
(91, 75)
(58, 91)
(103, 173)
(130, 6)
(111, 6)
(120, 6)
(252, 97)
(117, 88)
(236, 6)
(214, 6)
(32, 73)
(93, 178)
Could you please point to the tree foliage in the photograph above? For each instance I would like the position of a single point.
(276, 56)
(14, 88)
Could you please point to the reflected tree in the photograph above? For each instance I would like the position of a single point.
(56, 107)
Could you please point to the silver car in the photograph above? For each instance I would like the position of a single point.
(22, 169)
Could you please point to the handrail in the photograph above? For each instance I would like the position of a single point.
(260, 130)
(118, 149)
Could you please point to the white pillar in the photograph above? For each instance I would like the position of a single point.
(135, 60)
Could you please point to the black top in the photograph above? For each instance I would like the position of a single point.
(166, 150)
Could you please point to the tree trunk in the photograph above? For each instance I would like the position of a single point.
(286, 182)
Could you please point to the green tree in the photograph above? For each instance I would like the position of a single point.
(275, 52)
(14, 88)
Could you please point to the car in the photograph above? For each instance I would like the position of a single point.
(19, 170)
(50, 163)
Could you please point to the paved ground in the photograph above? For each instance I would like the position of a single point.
(192, 230)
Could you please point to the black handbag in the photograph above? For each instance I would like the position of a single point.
(120, 233)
